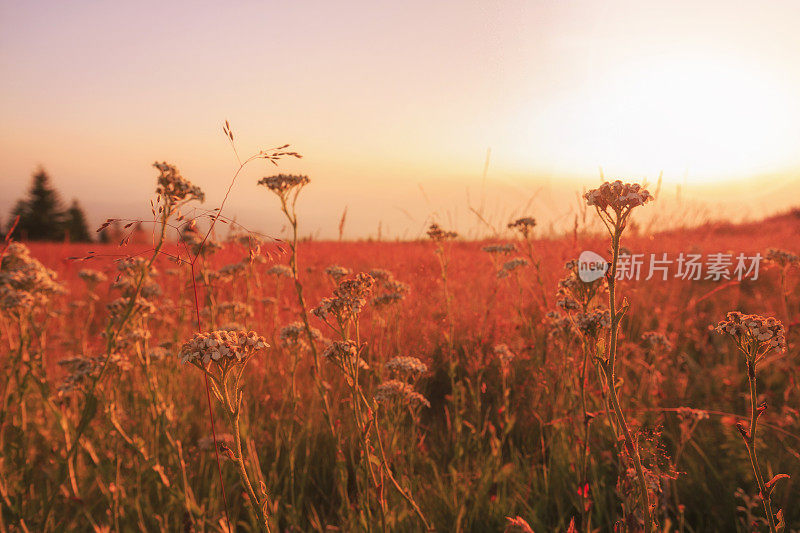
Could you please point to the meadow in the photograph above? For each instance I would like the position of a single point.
(226, 381)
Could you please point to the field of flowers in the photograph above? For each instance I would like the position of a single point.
(223, 382)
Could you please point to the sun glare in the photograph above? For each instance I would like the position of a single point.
(699, 120)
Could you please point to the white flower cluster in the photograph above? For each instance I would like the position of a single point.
(81, 369)
(754, 331)
(174, 187)
(390, 290)
(349, 298)
(279, 270)
(337, 272)
(131, 271)
(92, 277)
(24, 281)
(196, 240)
(511, 266)
(295, 336)
(283, 183)
(399, 392)
(592, 323)
(219, 345)
(406, 367)
(618, 196)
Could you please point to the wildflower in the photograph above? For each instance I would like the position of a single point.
(620, 197)
(381, 275)
(523, 225)
(653, 339)
(399, 392)
(283, 183)
(503, 354)
(81, 369)
(140, 306)
(437, 234)
(279, 270)
(754, 334)
(337, 272)
(782, 258)
(406, 367)
(346, 356)
(233, 269)
(222, 347)
(174, 187)
(511, 266)
(391, 290)
(92, 277)
(504, 249)
(592, 323)
(558, 325)
(349, 298)
(295, 335)
(24, 281)
(197, 241)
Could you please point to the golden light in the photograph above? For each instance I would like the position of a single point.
(697, 119)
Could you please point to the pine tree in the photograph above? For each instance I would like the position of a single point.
(41, 214)
(75, 224)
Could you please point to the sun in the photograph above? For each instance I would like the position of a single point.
(697, 119)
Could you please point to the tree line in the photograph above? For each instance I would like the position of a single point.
(42, 216)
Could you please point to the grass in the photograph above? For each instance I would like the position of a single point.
(559, 427)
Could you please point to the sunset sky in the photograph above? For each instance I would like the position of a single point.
(394, 105)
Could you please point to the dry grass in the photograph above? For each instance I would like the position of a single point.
(485, 432)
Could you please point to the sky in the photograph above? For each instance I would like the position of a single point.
(405, 111)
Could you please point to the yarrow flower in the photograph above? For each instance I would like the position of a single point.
(511, 266)
(592, 323)
(24, 281)
(406, 367)
(81, 369)
(346, 356)
(174, 187)
(349, 298)
(295, 336)
(395, 392)
(437, 234)
(654, 339)
(222, 347)
(618, 196)
(279, 271)
(196, 240)
(92, 277)
(754, 335)
(523, 225)
(390, 290)
(559, 325)
(281, 184)
(782, 258)
(337, 272)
